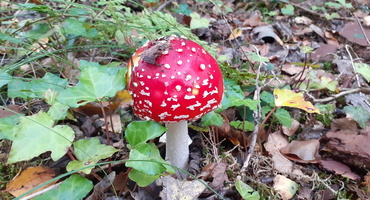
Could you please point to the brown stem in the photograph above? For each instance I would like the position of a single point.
(266, 118)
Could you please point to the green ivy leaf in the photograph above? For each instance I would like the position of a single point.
(359, 114)
(197, 21)
(146, 158)
(81, 187)
(36, 135)
(288, 10)
(141, 131)
(35, 88)
(246, 191)
(283, 117)
(248, 126)
(141, 178)
(212, 118)
(38, 31)
(364, 70)
(89, 152)
(96, 82)
(57, 111)
(184, 9)
(8, 127)
(4, 78)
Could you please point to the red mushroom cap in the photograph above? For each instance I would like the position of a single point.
(174, 79)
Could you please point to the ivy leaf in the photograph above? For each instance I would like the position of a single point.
(141, 131)
(234, 96)
(81, 187)
(89, 152)
(96, 82)
(246, 191)
(212, 118)
(359, 114)
(4, 78)
(146, 159)
(283, 117)
(288, 10)
(197, 21)
(248, 126)
(36, 135)
(57, 110)
(361, 68)
(184, 9)
(8, 127)
(141, 178)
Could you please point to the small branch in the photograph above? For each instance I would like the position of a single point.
(353, 65)
(335, 96)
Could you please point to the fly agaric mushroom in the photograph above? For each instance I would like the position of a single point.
(174, 80)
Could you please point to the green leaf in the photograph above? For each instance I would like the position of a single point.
(267, 97)
(364, 70)
(288, 10)
(38, 31)
(141, 178)
(146, 158)
(74, 187)
(96, 82)
(248, 126)
(141, 131)
(9, 38)
(89, 152)
(359, 114)
(212, 118)
(332, 4)
(32, 6)
(8, 127)
(257, 58)
(74, 27)
(246, 191)
(197, 21)
(36, 135)
(57, 111)
(283, 117)
(184, 9)
(4, 78)
(35, 88)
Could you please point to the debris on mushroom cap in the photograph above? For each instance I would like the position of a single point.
(174, 79)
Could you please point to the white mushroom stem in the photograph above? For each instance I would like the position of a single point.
(177, 147)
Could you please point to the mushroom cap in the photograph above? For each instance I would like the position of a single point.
(174, 79)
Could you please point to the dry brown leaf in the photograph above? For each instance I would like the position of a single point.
(6, 113)
(285, 187)
(292, 129)
(275, 142)
(302, 151)
(339, 168)
(353, 32)
(343, 124)
(29, 179)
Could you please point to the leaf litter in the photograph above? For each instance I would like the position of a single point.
(285, 157)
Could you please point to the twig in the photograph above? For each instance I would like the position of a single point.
(353, 65)
(335, 96)
(362, 29)
(256, 115)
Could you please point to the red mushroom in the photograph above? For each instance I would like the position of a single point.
(173, 80)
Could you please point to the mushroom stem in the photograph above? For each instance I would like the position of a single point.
(177, 147)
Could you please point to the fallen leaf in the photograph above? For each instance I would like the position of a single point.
(343, 124)
(302, 151)
(100, 187)
(289, 131)
(290, 98)
(275, 142)
(6, 112)
(353, 32)
(29, 179)
(236, 33)
(285, 187)
(339, 168)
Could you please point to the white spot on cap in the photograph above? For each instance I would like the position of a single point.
(189, 89)
(182, 44)
(178, 88)
(164, 75)
(202, 66)
(209, 65)
(173, 77)
(181, 117)
(205, 82)
(211, 76)
(157, 74)
(135, 84)
(203, 51)
(189, 97)
(166, 84)
(175, 106)
(163, 104)
(193, 50)
(142, 92)
(134, 95)
(142, 83)
(164, 115)
(149, 77)
(165, 52)
(178, 73)
(142, 69)
(192, 107)
(188, 77)
(188, 61)
(212, 101)
(179, 62)
(147, 88)
(148, 102)
(167, 66)
(179, 50)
